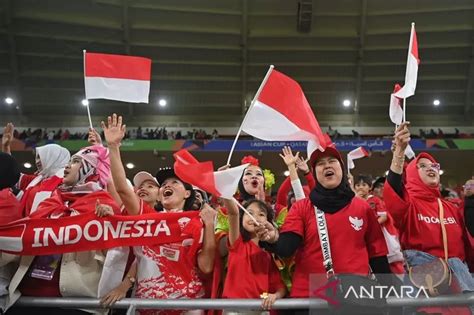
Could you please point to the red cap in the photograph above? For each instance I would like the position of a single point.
(330, 151)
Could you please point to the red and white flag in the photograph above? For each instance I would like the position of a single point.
(117, 77)
(396, 109)
(201, 174)
(413, 61)
(355, 154)
(281, 113)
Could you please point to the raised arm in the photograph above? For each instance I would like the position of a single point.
(400, 143)
(233, 217)
(290, 161)
(7, 138)
(207, 255)
(114, 132)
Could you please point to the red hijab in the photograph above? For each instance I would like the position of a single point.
(415, 186)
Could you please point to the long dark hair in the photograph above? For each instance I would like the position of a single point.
(244, 195)
(263, 206)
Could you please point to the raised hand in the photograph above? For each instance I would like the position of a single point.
(114, 131)
(288, 156)
(208, 214)
(302, 165)
(401, 139)
(7, 135)
(266, 232)
(94, 137)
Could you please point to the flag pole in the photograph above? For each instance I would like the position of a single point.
(246, 211)
(410, 45)
(88, 110)
(250, 107)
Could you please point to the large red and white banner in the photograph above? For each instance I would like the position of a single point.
(84, 232)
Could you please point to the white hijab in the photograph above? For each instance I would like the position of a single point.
(54, 159)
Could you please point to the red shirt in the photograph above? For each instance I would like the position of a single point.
(416, 215)
(251, 271)
(354, 237)
(377, 205)
(34, 195)
(418, 223)
(9, 207)
(169, 270)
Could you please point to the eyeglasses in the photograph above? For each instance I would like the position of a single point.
(468, 186)
(434, 166)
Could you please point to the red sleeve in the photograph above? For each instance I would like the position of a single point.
(282, 194)
(25, 180)
(237, 243)
(275, 282)
(374, 238)
(376, 204)
(395, 205)
(295, 220)
(9, 207)
(310, 180)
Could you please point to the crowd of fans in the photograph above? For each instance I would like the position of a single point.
(36, 135)
(39, 134)
(332, 225)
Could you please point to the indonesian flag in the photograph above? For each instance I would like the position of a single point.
(281, 112)
(396, 110)
(413, 61)
(117, 77)
(355, 154)
(201, 174)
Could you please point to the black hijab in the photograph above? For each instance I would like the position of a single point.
(9, 171)
(332, 200)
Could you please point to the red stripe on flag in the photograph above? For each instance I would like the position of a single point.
(199, 174)
(366, 153)
(414, 47)
(285, 95)
(117, 66)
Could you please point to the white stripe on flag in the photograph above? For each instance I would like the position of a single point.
(266, 123)
(125, 90)
(227, 181)
(410, 79)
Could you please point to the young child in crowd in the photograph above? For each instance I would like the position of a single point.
(247, 259)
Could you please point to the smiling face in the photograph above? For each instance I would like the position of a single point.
(149, 192)
(71, 172)
(259, 214)
(428, 171)
(253, 179)
(173, 194)
(328, 172)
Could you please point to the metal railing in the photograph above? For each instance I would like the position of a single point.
(234, 304)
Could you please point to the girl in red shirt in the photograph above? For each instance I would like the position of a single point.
(247, 258)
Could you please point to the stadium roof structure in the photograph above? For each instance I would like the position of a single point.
(209, 57)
